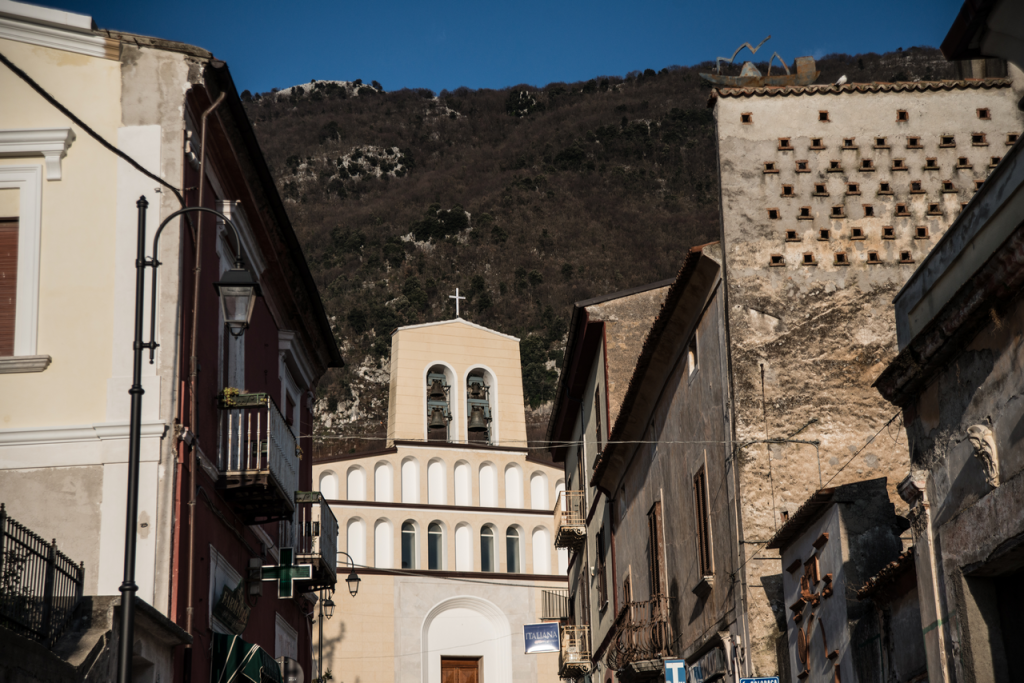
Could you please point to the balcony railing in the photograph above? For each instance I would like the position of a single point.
(317, 539)
(570, 520)
(574, 655)
(39, 585)
(554, 605)
(642, 633)
(258, 458)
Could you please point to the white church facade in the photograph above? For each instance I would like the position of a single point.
(450, 526)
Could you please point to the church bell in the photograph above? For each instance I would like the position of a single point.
(477, 420)
(437, 418)
(436, 391)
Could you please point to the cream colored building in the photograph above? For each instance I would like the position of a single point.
(451, 529)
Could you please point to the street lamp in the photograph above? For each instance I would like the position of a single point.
(243, 295)
(327, 607)
(353, 583)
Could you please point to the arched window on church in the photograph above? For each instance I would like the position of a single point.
(356, 484)
(488, 554)
(329, 485)
(383, 544)
(435, 546)
(463, 483)
(463, 548)
(513, 486)
(383, 483)
(408, 545)
(488, 485)
(539, 491)
(355, 540)
(410, 481)
(479, 415)
(439, 406)
(437, 483)
(541, 551)
(513, 550)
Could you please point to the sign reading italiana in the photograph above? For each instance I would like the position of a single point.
(541, 637)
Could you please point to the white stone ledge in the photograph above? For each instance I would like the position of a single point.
(50, 143)
(12, 364)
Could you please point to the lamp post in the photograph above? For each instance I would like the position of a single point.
(327, 608)
(233, 293)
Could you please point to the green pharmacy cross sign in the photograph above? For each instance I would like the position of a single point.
(287, 573)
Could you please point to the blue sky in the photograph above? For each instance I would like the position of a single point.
(444, 44)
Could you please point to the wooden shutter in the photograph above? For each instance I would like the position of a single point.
(700, 512)
(655, 556)
(8, 283)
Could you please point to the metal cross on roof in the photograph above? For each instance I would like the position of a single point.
(287, 573)
(457, 298)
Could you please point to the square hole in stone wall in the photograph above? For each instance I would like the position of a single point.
(869, 211)
(867, 165)
(769, 167)
(823, 116)
(934, 209)
(873, 257)
(824, 234)
(901, 210)
(835, 165)
(921, 232)
(888, 233)
(914, 143)
(947, 186)
(979, 140)
(1011, 139)
(931, 164)
(905, 257)
(852, 188)
(899, 165)
(838, 211)
(994, 161)
(963, 162)
(784, 143)
(842, 259)
(916, 187)
(805, 213)
(820, 190)
(848, 143)
(747, 118)
(791, 236)
(773, 214)
(978, 184)
(902, 115)
(801, 166)
(778, 260)
(947, 141)
(880, 143)
(857, 233)
(816, 143)
(985, 114)
(809, 259)
(884, 188)
(787, 190)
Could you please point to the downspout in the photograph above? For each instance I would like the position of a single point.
(193, 375)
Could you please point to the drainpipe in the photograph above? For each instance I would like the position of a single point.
(193, 371)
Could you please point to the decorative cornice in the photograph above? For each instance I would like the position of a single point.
(13, 364)
(83, 43)
(51, 143)
(102, 431)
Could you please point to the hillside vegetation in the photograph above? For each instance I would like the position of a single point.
(527, 199)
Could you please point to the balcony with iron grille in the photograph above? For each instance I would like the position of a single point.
(574, 655)
(555, 605)
(570, 520)
(643, 637)
(317, 539)
(257, 458)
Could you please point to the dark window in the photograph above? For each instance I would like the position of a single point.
(820, 189)
(784, 143)
(602, 573)
(835, 165)
(791, 236)
(1011, 139)
(435, 546)
(805, 212)
(801, 167)
(837, 211)
(867, 165)
(905, 257)
(512, 554)
(880, 142)
(597, 416)
(8, 283)
(848, 143)
(809, 259)
(823, 116)
(853, 188)
(841, 259)
(888, 233)
(947, 141)
(773, 214)
(747, 118)
(873, 257)
(824, 234)
(857, 233)
(898, 164)
(408, 545)
(816, 143)
(984, 114)
(777, 260)
(931, 163)
(995, 161)
(914, 143)
(869, 210)
(703, 519)
(487, 549)
(978, 139)
(655, 556)
(901, 115)
(963, 162)
(769, 167)
(787, 190)
(921, 232)
(883, 188)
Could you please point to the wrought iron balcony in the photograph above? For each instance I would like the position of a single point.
(574, 655)
(317, 539)
(570, 520)
(642, 633)
(39, 585)
(555, 605)
(257, 458)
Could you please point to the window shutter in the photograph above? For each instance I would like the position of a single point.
(8, 283)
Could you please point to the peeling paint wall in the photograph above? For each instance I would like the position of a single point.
(809, 339)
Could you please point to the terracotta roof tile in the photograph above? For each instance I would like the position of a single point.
(827, 89)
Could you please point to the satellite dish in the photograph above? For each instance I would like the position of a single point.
(291, 670)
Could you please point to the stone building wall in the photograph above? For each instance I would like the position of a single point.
(810, 296)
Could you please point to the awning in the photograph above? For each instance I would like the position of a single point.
(236, 661)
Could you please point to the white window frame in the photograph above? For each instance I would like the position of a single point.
(28, 180)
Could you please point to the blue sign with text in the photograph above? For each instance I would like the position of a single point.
(769, 679)
(675, 671)
(541, 637)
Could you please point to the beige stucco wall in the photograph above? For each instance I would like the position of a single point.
(463, 346)
(77, 245)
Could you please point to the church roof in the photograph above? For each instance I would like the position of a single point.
(457, 320)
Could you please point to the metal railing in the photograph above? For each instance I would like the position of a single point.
(574, 655)
(39, 585)
(642, 632)
(255, 438)
(318, 532)
(554, 604)
(570, 519)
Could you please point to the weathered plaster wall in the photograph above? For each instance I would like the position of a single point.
(821, 334)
